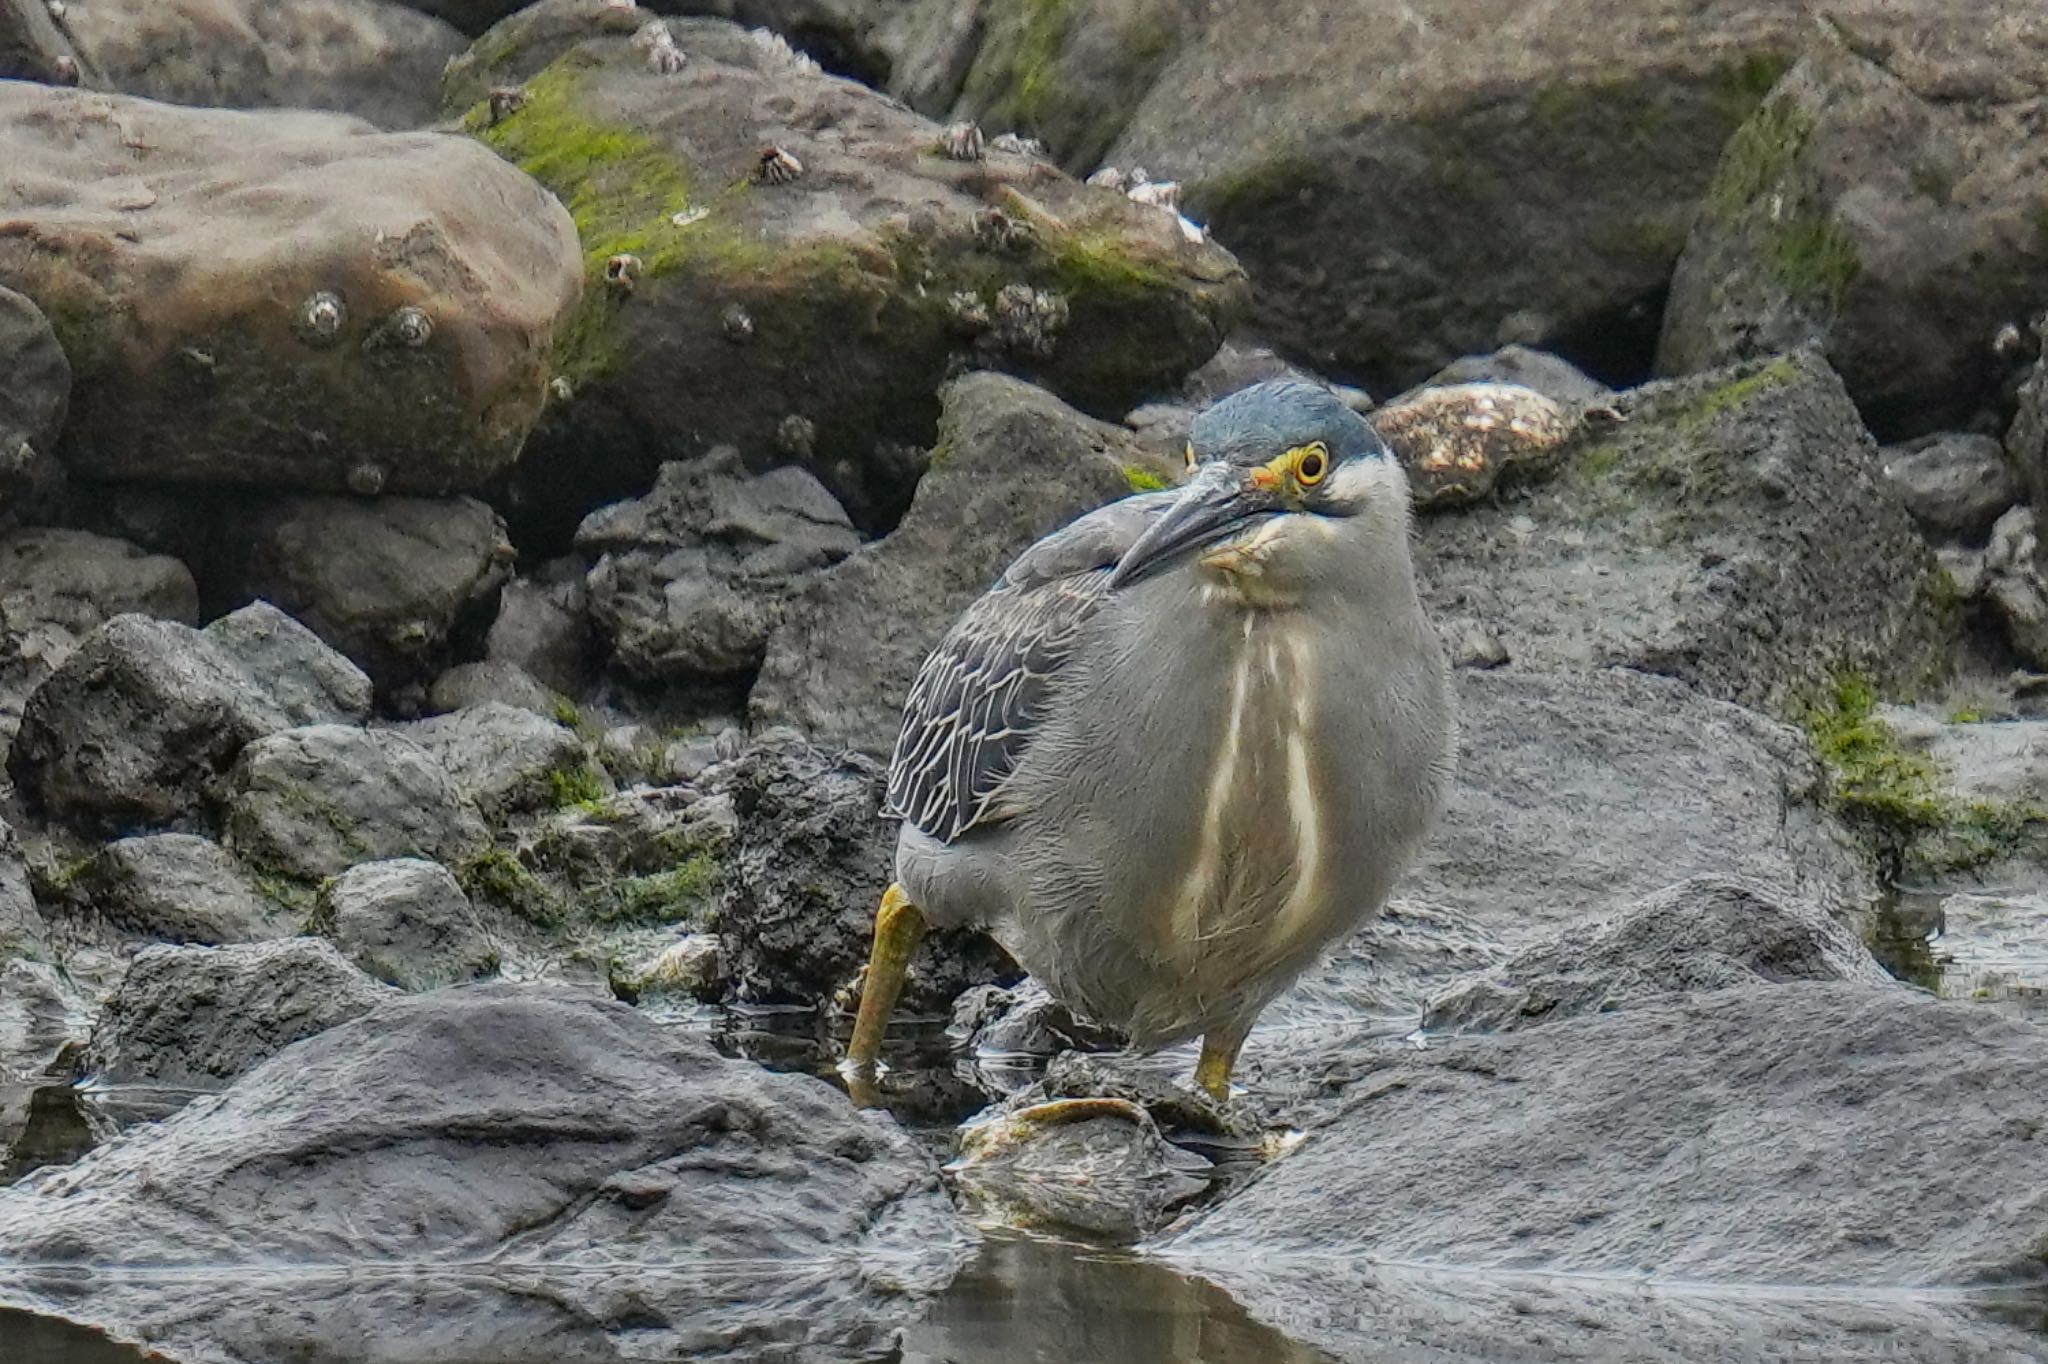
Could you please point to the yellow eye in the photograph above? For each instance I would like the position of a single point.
(1311, 462)
(1189, 454)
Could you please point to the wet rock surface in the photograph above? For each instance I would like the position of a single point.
(282, 298)
(38, 394)
(177, 888)
(204, 1015)
(505, 759)
(1012, 464)
(616, 1144)
(365, 57)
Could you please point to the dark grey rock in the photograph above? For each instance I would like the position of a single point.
(22, 930)
(314, 801)
(387, 581)
(1735, 530)
(204, 1015)
(178, 888)
(58, 586)
(621, 1181)
(1575, 797)
(34, 47)
(543, 627)
(140, 723)
(1812, 1133)
(1867, 206)
(1023, 1020)
(2026, 440)
(221, 255)
(1954, 484)
(491, 682)
(379, 61)
(1012, 465)
(504, 759)
(408, 923)
(808, 866)
(38, 392)
(689, 580)
(1705, 933)
(1555, 378)
(307, 681)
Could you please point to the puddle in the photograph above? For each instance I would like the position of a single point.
(1978, 946)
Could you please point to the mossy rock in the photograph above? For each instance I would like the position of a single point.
(814, 320)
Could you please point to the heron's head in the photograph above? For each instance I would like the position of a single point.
(1283, 475)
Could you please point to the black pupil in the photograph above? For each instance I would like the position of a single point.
(1312, 465)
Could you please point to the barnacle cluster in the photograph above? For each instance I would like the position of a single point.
(995, 230)
(777, 167)
(797, 436)
(738, 325)
(622, 272)
(1016, 144)
(505, 101)
(320, 318)
(962, 141)
(1025, 322)
(658, 45)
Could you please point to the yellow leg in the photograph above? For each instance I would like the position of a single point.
(1219, 1054)
(898, 926)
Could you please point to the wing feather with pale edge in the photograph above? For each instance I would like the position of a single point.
(981, 693)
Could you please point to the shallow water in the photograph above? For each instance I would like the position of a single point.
(1982, 946)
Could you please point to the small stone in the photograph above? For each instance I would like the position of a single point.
(407, 922)
(1474, 646)
(1954, 484)
(1109, 177)
(1156, 193)
(1094, 1165)
(687, 966)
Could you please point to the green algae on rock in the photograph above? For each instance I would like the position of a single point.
(172, 250)
(842, 299)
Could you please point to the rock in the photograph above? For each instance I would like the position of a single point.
(689, 579)
(543, 626)
(378, 61)
(1735, 530)
(491, 682)
(796, 909)
(2013, 585)
(38, 391)
(314, 801)
(139, 725)
(1012, 465)
(470, 16)
(307, 681)
(204, 1015)
(281, 298)
(1780, 1134)
(730, 1209)
(33, 47)
(1097, 1167)
(1704, 933)
(689, 966)
(2026, 440)
(387, 581)
(504, 759)
(1645, 783)
(178, 888)
(1459, 442)
(1024, 1020)
(58, 586)
(1954, 484)
(817, 317)
(1555, 378)
(1869, 205)
(407, 923)
(21, 923)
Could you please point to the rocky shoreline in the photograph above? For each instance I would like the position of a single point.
(477, 480)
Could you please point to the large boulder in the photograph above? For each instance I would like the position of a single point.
(312, 802)
(543, 626)
(1736, 530)
(1885, 206)
(1955, 484)
(177, 888)
(689, 580)
(141, 723)
(366, 57)
(388, 581)
(624, 1183)
(817, 304)
(282, 298)
(204, 1015)
(796, 906)
(21, 923)
(406, 921)
(1012, 464)
(1576, 796)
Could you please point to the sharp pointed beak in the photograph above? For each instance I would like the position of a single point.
(1221, 499)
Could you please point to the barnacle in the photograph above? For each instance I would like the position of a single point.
(664, 58)
(777, 167)
(320, 318)
(962, 141)
(738, 325)
(506, 100)
(1017, 145)
(622, 272)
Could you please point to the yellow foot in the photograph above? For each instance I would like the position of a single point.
(899, 925)
(1219, 1054)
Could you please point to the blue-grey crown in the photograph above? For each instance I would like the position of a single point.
(1254, 424)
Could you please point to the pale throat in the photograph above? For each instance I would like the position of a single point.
(1240, 573)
